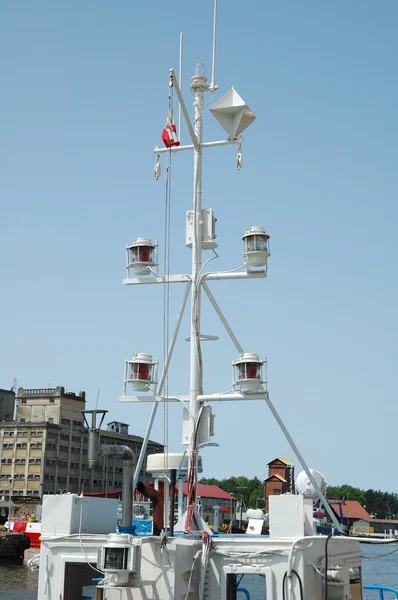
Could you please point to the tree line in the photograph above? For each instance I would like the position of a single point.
(381, 505)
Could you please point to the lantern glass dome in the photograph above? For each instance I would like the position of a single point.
(256, 246)
(248, 372)
(140, 371)
(141, 256)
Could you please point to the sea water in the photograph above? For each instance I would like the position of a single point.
(19, 582)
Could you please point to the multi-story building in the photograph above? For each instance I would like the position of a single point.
(280, 479)
(44, 451)
(7, 403)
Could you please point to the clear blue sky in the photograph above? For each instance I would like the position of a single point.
(83, 101)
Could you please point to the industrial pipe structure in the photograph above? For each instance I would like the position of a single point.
(95, 450)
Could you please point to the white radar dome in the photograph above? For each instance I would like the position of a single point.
(305, 487)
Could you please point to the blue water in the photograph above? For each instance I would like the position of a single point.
(18, 582)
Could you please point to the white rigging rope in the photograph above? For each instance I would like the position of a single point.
(166, 306)
(166, 311)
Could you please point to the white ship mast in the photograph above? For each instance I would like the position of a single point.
(77, 532)
(140, 372)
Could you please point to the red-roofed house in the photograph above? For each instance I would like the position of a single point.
(349, 511)
(208, 497)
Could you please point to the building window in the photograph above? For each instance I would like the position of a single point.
(36, 492)
(4, 460)
(22, 434)
(51, 447)
(37, 476)
(9, 461)
(65, 421)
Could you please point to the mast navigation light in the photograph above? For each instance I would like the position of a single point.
(199, 78)
(139, 371)
(233, 114)
(199, 70)
(248, 372)
(141, 256)
(256, 247)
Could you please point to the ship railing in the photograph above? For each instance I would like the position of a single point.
(381, 589)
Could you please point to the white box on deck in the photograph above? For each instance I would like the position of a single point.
(290, 516)
(62, 514)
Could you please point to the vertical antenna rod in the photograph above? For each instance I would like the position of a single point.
(180, 82)
(213, 85)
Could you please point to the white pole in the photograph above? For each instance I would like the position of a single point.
(213, 86)
(304, 464)
(195, 355)
(223, 319)
(180, 498)
(180, 81)
(160, 388)
(166, 498)
(198, 87)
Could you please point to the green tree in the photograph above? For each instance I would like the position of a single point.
(250, 490)
(346, 492)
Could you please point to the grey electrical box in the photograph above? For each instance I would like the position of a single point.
(206, 427)
(208, 229)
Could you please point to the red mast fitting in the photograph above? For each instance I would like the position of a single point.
(169, 133)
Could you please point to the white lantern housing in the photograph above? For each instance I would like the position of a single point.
(141, 256)
(256, 247)
(117, 559)
(139, 372)
(248, 372)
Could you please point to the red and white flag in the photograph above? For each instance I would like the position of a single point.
(169, 133)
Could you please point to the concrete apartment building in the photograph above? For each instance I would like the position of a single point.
(7, 404)
(44, 450)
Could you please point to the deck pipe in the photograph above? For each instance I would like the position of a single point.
(95, 450)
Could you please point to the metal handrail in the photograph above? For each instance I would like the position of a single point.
(382, 589)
